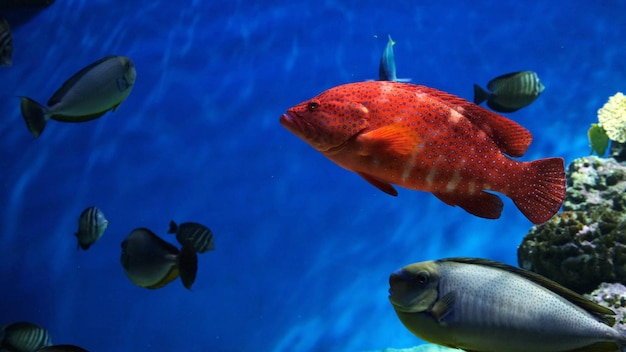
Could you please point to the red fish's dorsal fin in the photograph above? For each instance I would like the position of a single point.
(509, 136)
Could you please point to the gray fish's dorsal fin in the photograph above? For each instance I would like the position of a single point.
(58, 95)
(602, 313)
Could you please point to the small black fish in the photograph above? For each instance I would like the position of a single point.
(24, 336)
(193, 235)
(6, 43)
(91, 226)
(510, 92)
(151, 262)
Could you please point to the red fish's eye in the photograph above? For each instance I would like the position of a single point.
(312, 106)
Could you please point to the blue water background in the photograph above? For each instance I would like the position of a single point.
(303, 247)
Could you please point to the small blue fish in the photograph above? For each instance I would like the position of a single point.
(387, 67)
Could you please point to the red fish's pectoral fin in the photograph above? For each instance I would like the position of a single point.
(381, 185)
(541, 191)
(483, 204)
(395, 138)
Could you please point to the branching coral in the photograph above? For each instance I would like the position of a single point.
(611, 124)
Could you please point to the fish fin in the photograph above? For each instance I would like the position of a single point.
(599, 347)
(485, 205)
(171, 276)
(509, 136)
(480, 94)
(173, 227)
(442, 308)
(501, 108)
(394, 138)
(604, 314)
(381, 185)
(188, 266)
(35, 115)
(541, 190)
(84, 118)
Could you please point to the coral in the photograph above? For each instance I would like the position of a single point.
(612, 117)
(595, 182)
(584, 245)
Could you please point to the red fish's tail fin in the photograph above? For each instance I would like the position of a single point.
(541, 190)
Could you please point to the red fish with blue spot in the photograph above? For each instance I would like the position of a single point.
(424, 139)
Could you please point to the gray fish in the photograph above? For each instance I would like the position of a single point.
(193, 235)
(510, 92)
(484, 306)
(387, 66)
(24, 337)
(6, 43)
(62, 348)
(87, 95)
(91, 226)
(151, 262)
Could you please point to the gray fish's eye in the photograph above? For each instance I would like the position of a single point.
(422, 278)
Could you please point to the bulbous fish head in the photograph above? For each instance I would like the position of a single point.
(129, 73)
(328, 121)
(413, 288)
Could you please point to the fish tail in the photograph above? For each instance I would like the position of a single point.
(187, 266)
(480, 94)
(541, 190)
(173, 227)
(35, 115)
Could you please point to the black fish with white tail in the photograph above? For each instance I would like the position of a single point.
(480, 305)
(151, 262)
(87, 95)
(510, 92)
(193, 235)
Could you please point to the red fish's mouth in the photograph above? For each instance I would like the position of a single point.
(298, 126)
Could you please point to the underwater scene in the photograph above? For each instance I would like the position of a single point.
(312, 176)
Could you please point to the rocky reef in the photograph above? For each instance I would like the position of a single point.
(585, 245)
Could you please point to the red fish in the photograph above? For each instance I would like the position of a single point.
(424, 139)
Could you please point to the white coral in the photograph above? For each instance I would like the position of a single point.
(612, 117)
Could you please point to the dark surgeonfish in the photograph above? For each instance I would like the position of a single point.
(151, 262)
(87, 95)
(480, 305)
(193, 235)
(6, 43)
(62, 348)
(91, 226)
(510, 92)
(23, 336)
(387, 66)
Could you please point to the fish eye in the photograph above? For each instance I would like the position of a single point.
(312, 106)
(422, 278)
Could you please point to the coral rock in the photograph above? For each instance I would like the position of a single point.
(584, 245)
